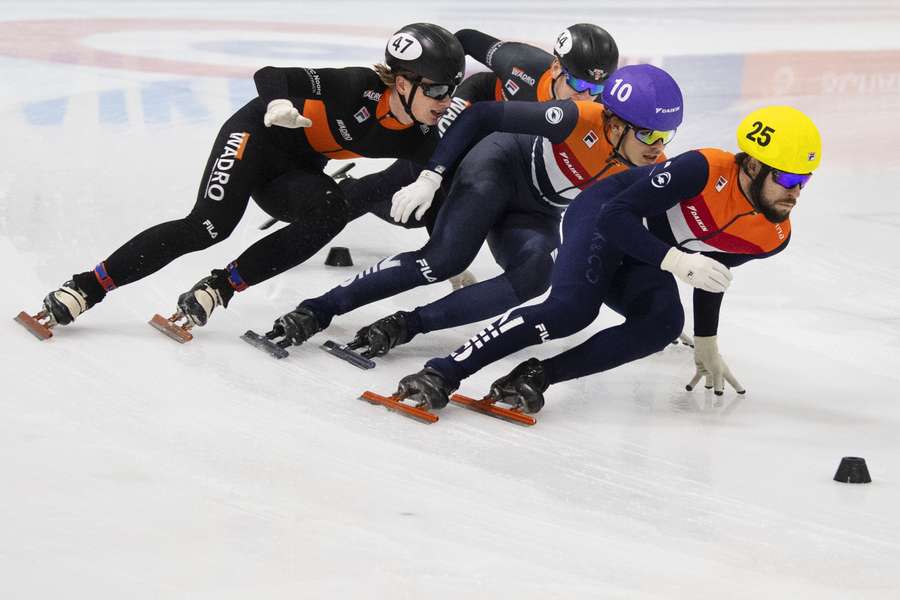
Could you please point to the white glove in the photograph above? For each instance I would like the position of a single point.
(416, 196)
(697, 270)
(711, 365)
(281, 112)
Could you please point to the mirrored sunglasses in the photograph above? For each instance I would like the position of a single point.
(651, 136)
(584, 85)
(789, 180)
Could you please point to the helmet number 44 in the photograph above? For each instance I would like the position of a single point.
(761, 134)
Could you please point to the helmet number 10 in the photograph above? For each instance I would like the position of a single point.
(621, 91)
(761, 134)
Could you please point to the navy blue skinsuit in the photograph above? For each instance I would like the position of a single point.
(609, 257)
(503, 191)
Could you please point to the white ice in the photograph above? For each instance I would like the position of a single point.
(132, 467)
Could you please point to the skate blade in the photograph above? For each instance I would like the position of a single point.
(486, 406)
(396, 404)
(264, 344)
(344, 353)
(170, 329)
(41, 332)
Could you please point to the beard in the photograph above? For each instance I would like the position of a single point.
(771, 213)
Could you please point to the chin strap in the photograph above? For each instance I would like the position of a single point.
(619, 155)
(407, 105)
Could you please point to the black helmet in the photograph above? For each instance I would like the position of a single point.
(426, 50)
(587, 52)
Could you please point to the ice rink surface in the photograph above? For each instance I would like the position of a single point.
(136, 468)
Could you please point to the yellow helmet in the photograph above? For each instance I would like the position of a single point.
(781, 137)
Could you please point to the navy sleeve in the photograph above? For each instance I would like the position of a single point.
(552, 120)
(657, 188)
(706, 312)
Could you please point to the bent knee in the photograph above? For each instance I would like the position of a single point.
(532, 277)
(204, 232)
(569, 316)
(663, 324)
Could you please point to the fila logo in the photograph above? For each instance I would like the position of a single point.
(485, 335)
(426, 270)
(211, 229)
(362, 114)
(590, 139)
(721, 183)
(512, 87)
(542, 331)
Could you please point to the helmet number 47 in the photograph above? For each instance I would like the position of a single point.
(400, 40)
(761, 134)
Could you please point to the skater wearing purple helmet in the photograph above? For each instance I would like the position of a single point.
(625, 240)
(510, 189)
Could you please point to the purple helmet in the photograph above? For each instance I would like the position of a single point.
(645, 96)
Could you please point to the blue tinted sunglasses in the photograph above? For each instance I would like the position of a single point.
(789, 180)
(583, 85)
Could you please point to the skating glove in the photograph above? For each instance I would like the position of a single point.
(416, 196)
(697, 270)
(281, 112)
(711, 365)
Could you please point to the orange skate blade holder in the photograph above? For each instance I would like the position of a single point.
(169, 327)
(488, 407)
(34, 325)
(397, 404)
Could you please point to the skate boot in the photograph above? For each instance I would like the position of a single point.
(382, 335)
(65, 304)
(293, 329)
(427, 386)
(524, 387)
(60, 307)
(462, 280)
(297, 326)
(198, 303)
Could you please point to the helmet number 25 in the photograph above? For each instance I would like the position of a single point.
(761, 134)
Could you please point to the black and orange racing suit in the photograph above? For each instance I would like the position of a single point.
(282, 170)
